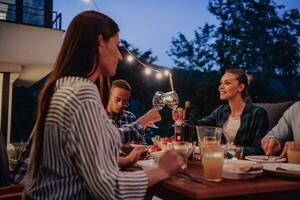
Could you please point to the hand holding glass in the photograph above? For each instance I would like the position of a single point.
(160, 99)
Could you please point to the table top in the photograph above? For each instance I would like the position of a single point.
(179, 186)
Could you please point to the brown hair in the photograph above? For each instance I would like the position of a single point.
(78, 56)
(120, 83)
(242, 78)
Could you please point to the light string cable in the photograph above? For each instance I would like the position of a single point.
(94, 3)
(148, 69)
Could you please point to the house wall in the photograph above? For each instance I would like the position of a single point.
(35, 48)
(27, 54)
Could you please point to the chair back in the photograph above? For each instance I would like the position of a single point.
(4, 168)
(274, 111)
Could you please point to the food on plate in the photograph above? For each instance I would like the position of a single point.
(155, 148)
(249, 168)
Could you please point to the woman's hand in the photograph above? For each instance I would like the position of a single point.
(169, 163)
(178, 114)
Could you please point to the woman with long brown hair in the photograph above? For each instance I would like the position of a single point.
(243, 123)
(75, 147)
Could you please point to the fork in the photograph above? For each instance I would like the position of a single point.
(194, 178)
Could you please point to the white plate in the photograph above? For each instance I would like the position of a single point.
(293, 170)
(231, 170)
(266, 159)
(147, 164)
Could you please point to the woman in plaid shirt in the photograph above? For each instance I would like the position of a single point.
(243, 123)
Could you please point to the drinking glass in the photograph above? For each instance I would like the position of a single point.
(293, 153)
(212, 160)
(233, 152)
(182, 148)
(208, 136)
(171, 99)
(158, 104)
(160, 99)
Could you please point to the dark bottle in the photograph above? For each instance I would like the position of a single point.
(187, 126)
(178, 131)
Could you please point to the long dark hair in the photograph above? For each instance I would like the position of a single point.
(78, 56)
(242, 78)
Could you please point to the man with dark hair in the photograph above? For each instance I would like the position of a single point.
(131, 128)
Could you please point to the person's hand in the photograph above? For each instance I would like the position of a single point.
(170, 162)
(178, 114)
(270, 145)
(150, 117)
(287, 146)
(135, 154)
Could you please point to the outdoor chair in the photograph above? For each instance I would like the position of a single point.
(274, 111)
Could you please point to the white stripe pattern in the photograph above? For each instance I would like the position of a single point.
(80, 150)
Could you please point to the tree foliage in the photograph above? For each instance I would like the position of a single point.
(257, 36)
(251, 35)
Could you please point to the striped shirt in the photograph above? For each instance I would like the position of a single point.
(80, 150)
(130, 129)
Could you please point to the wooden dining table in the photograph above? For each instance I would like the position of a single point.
(182, 187)
(266, 186)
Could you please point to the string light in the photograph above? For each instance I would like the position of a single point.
(130, 58)
(158, 75)
(88, 1)
(166, 72)
(149, 70)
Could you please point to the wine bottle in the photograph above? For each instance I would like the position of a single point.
(187, 126)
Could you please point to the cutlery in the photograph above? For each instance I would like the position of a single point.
(287, 170)
(192, 177)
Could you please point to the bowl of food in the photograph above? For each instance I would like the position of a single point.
(179, 146)
(156, 154)
(162, 142)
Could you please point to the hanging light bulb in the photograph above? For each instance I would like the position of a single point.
(130, 58)
(166, 72)
(147, 71)
(158, 75)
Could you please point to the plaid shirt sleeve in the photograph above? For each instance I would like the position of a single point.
(132, 132)
(130, 129)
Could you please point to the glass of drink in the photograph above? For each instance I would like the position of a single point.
(157, 103)
(208, 136)
(212, 160)
(233, 152)
(293, 153)
(171, 99)
(182, 148)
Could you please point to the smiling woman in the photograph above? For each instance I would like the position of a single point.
(243, 123)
